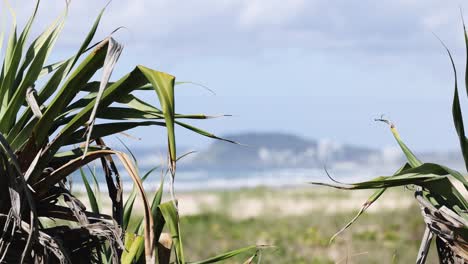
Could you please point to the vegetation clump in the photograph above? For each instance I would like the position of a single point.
(440, 191)
(53, 118)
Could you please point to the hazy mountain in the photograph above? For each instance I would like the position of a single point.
(280, 150)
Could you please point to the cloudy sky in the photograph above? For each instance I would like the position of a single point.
(315, 68)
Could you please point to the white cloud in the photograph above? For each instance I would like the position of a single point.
(251, 27)
(255, 13)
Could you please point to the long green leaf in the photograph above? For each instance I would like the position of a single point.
(91, 197)
(18, 98)
(159, 221)
(163, 84)
(128, 206)
(51, 86)
(172, 220)
(103, 130)
(130, 254)
(418, 176)
(456, 109)
(54, 29)
(13, 58)
(82, 74)
(412, 159)
(226, 255)
(122, 86)
(373, 198)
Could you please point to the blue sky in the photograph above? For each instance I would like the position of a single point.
(320, 69)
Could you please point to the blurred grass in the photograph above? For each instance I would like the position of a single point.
(391, 236)
(301, 234)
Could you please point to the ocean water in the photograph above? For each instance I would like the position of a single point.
(193, 180)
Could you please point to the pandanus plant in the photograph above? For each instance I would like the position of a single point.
(53, 118)
(440, 191)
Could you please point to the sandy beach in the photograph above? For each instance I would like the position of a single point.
(256, 202)
(290, 202)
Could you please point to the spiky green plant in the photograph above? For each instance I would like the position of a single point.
(440, 191)
(53, 118)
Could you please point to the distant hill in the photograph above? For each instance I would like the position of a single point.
(260, 151)
(277, 150)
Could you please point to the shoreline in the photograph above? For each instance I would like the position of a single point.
(244, 203)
